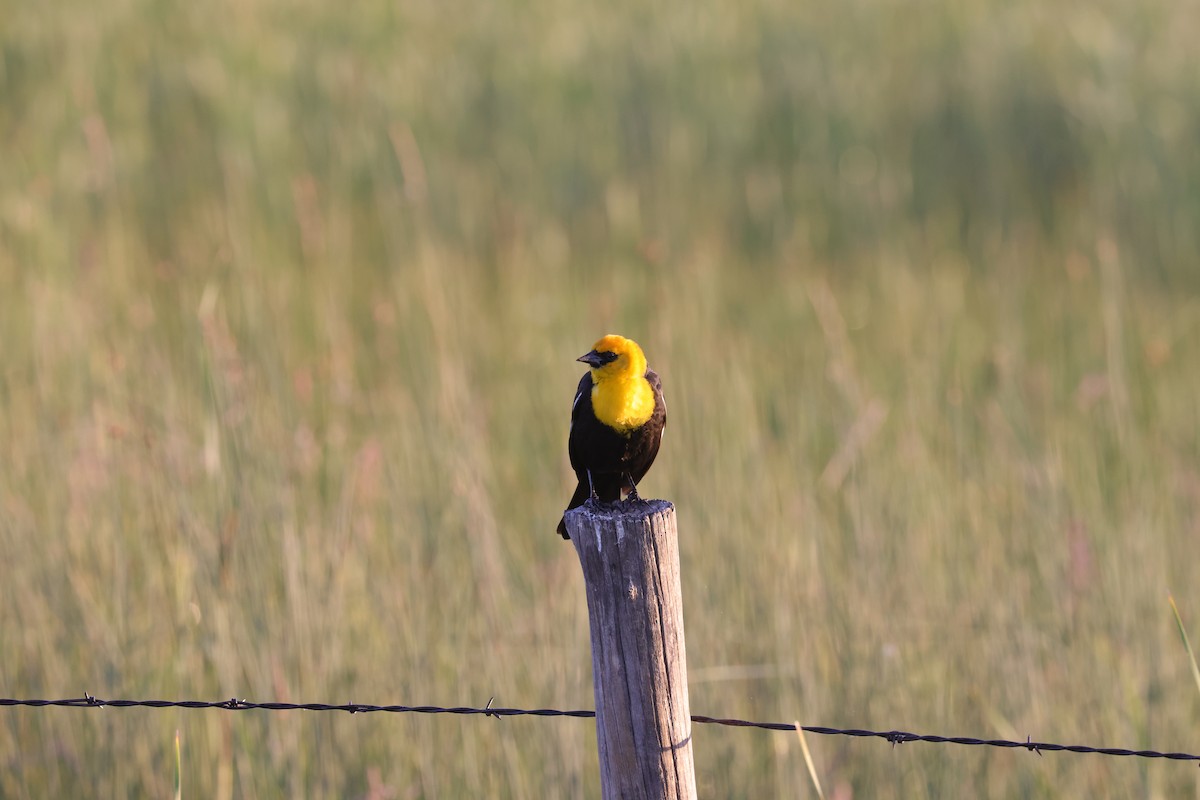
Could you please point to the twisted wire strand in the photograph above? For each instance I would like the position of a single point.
(894, 737)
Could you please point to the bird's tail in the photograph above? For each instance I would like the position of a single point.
(579, 498)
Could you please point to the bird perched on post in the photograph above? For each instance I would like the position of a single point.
(616, 423)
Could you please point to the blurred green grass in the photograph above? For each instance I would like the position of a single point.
(289, 297)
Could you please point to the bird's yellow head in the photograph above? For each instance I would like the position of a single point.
(615, 357)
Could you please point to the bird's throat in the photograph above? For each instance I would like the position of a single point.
(623, 403)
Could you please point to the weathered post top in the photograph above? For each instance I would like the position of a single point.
(616, 518)
(630, 558)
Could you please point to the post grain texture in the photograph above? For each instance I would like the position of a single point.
(630, 558)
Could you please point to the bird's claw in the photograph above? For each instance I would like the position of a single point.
(633, 496)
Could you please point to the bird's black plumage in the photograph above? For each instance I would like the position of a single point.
(615, 461)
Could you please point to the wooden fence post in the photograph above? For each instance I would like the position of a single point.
(630, 558)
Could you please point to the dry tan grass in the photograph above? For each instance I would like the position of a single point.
(289, 299)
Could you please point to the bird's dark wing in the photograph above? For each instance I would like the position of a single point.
(582, 423)
(581, 407)
(653, 428)
(660, 403)
(583, 390)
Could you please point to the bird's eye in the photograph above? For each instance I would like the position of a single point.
(608, 358)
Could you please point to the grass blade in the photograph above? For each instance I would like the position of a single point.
(1187, 644)
(812, 769)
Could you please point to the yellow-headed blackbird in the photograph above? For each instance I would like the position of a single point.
(616, 423)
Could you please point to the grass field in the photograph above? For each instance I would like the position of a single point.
(290, 295)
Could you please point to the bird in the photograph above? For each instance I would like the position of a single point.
(617, 423)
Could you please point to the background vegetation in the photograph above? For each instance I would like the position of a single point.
(289, 297)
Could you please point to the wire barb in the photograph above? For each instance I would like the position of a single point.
(487, 710)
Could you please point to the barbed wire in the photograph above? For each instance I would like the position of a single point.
(894, 737)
